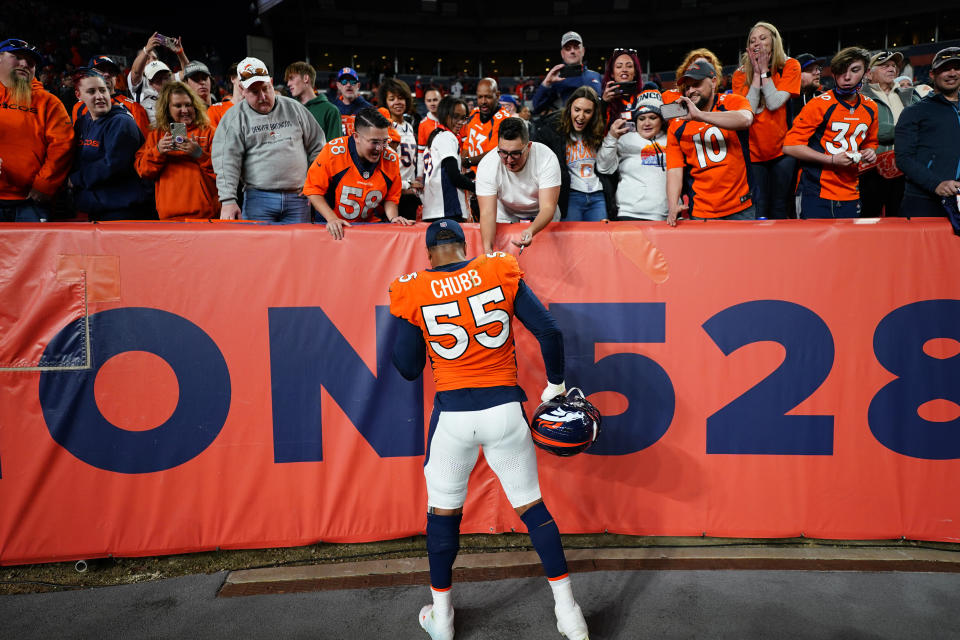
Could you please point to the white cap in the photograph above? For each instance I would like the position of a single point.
(153, 68)
(570, 36)
(252, 70)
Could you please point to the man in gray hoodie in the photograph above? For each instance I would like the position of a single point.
(268, 142)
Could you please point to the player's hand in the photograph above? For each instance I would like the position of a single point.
(403, 222)
(552, 391)
(335, 228)
(619, 127)
(525, 239)
(840, 160)
(553, 75)
(229, 211)
(868, 155)
(948, 188)
(610, 92)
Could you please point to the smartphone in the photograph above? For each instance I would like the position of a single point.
(627, 117)
(571, 71)
(179, 132)
(626, 87)
(167, 41)
(673, 110)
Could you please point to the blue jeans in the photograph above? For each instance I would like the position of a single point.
(586, 207)
(817, 207)
(23, 211)
(750, 213)
(281, 207)
(771, 186)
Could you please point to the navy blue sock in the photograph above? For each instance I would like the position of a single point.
(545, 536)
(443, 543)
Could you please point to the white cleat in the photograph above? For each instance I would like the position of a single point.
(439, 628)
(570, 623)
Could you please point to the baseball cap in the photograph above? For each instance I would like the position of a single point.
(15, 45)
(570, 36)
(348, 72)
(700, 69)
(96, 62)
(444, 224)
(886, 56)
(807, 59)
(194, 67)
(153, 68)
(251, 70)
(950, 54)
(648, 101)
(508, 98)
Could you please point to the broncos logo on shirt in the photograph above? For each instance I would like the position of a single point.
(354, 189)
(465, 318)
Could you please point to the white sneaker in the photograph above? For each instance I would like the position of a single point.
(570, 623)
(437, 627)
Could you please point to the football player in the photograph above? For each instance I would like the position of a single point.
(710, 139)
(833, 132)
(356, 177)
(459, 312)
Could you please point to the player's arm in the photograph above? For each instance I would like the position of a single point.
(409, 349)
(535, 317)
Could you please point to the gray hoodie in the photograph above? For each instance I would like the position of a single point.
(270, 152)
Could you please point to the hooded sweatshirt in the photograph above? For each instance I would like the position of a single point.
(326, 115)
(186, 187)
(36, 144)
(104, 178)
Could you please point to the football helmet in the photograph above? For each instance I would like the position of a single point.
(565, 425)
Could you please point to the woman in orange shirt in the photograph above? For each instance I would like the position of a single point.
(768, 79)
(186, 186)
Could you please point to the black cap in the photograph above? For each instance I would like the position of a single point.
(700, 69)
(950, 54)
(807, 59)
(103, 61)
(444, 224)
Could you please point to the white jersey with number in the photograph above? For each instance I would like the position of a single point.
(440, 197)
(407, 152)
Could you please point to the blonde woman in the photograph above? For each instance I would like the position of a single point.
(186, 186)
(768, 79)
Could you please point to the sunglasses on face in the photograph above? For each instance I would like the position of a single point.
(251, 73)
(348, 81)
(515, 155)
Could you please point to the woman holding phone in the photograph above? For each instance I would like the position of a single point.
(637, 150)
(620, 83)
(176, 156)
(768, 79)
(575, 135)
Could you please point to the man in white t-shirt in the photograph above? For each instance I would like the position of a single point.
(521, 182)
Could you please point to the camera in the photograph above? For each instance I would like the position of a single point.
(629, 118)
(673, 110)
(571, 71)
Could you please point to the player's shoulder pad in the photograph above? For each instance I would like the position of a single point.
(400, 290)
(505, 264)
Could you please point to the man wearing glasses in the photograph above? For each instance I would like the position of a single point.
(268, 141)
(349, 101)
(356, 178)
(928, 141)
(521, 182)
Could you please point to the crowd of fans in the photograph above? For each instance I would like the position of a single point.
(162, 139)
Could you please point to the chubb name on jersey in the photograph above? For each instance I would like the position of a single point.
(456, 284)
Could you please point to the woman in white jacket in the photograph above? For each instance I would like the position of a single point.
(638, 150)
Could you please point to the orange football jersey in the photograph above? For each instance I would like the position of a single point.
(770, 127)
(716, 161)
(465, 317)
(354, 189)
(828, 124)
(477, 137)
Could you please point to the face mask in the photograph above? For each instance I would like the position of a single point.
(844, 93)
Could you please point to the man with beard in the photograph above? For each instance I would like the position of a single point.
(37, 139)
(928, 141)
(830, 137)
(110, 70)
(359, 175)
(711, 140)
(349, 101)
(479, 132)
(268, 142)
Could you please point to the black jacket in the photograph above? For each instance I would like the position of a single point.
(928, 145)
